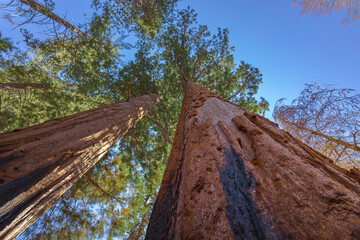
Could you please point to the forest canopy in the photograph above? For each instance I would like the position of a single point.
(124, 49)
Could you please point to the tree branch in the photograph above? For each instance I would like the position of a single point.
(339, 141)
(163, 131)
(16, 86)
(239, 91)
(41, 9)
(129, 87)
(101, 189)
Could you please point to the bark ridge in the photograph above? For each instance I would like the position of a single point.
(40, 163)
(233, 174)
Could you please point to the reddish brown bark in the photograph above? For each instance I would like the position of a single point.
(38, 164)
(232, 174)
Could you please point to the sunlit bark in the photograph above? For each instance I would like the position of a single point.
(40, 163)
(232, 174)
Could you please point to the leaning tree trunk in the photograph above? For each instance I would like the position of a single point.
(41, 9)
(21, 86)
(348, 145)
(39, 163)
(232, 174)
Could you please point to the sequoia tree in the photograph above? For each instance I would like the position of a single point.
(132, 170)
(233, 174)
(40, 163)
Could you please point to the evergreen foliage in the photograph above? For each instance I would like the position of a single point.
(79, 74)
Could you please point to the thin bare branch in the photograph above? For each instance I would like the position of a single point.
(41, 9)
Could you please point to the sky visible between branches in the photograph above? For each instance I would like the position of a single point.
(289, 49)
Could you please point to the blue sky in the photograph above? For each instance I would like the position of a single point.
(290, 49)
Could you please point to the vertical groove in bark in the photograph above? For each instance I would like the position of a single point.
(232, 174)
(38, 164)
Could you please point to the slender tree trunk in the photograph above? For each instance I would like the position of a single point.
(39, 8)
(329, 138)
(40, 163)
(17, 86)
(232, 174)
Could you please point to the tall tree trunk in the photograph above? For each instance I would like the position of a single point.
(40, 163)
(22, 86)
(232, 174)
(41, 9)
(329, 138)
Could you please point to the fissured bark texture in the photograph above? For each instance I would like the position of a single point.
(39, 163)
(232, 174)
